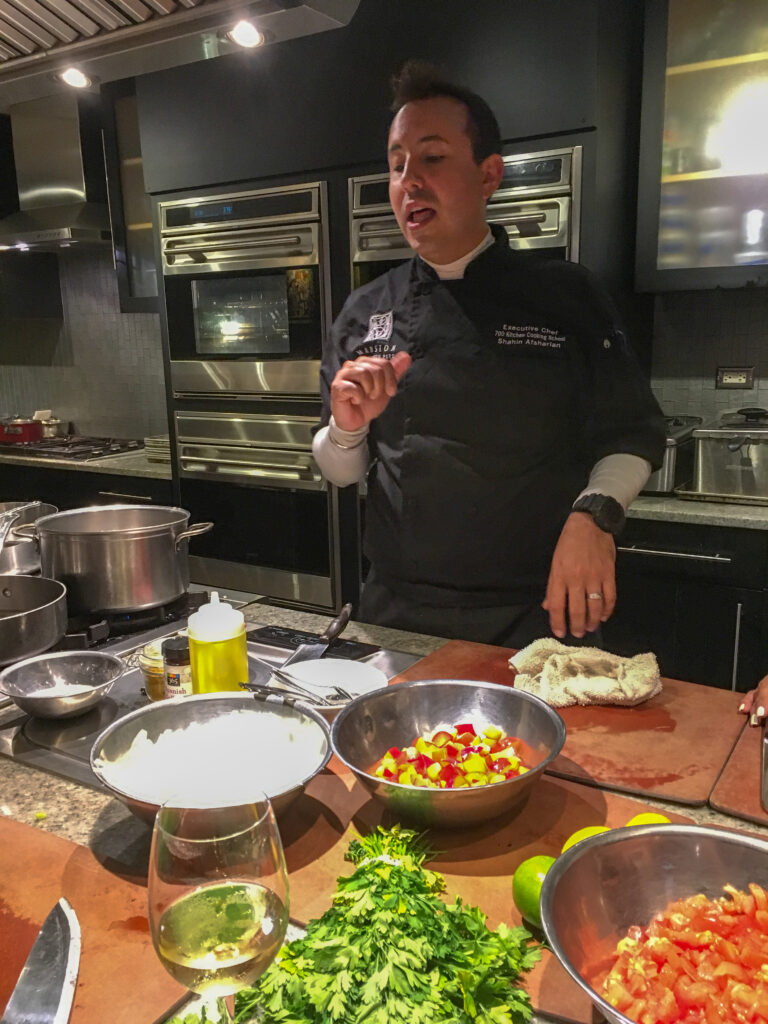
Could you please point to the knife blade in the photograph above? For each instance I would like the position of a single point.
(316, 649)
(46, 986)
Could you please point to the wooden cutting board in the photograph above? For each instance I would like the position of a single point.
(737, 791)
(672, 747)
(120, 980)
(477, 863)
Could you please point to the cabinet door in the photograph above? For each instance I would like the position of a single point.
(130, 206)
(703, 184)
(720, 636)
(644, 620)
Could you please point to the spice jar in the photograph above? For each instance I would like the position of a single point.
(217, 645)
(178, 671)
(151, 664)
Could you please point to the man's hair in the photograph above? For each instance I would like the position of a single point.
(419, 80)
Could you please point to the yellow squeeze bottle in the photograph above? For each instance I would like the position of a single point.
(217, 647)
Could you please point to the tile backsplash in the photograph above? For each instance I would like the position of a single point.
(100, 369)
(694, 333)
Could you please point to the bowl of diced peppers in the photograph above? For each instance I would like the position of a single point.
(448, 752)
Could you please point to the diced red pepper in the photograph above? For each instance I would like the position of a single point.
(448, 773)
(501, 764)
(422, 762)
(452, 750)
(466, 727)
(389, 774)
(394, 752)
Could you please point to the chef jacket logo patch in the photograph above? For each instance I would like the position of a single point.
(379, 327)
(529, 338)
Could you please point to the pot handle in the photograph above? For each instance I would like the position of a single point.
(193, 531)
(19, 531)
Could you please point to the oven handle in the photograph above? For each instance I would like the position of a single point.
(241, 242)
(282, 475)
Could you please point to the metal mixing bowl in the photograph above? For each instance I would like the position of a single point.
(595, 891)
(165, 717)
(393, 717)
(93, 669)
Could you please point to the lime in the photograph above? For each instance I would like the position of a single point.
(583, 833)
(649, 818)
(526, 886)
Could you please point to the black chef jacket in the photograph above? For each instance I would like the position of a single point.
(521, 381)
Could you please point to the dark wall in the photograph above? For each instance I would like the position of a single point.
(322, 101)
(9, 199)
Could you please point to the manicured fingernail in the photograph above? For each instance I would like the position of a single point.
(761, 712)
(753, 720)
(742, 707)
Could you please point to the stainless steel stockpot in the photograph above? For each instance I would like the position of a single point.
(117, 558)
(33, 616)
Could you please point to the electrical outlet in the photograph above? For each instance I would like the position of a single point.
(735, 377)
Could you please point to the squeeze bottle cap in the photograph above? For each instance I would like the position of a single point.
(215, 621)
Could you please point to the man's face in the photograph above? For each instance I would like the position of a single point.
(437, 190)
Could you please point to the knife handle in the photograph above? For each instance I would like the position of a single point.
(763, 767)
(337, 626)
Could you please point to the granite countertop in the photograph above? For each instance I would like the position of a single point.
(130, 464)
(703, 513)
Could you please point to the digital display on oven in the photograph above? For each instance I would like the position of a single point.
(250, 208)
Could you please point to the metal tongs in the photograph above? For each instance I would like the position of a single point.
(7, 519)
(292, 686)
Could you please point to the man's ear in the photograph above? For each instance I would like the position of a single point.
(493, 171)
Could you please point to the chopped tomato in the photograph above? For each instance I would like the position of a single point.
(700, 961)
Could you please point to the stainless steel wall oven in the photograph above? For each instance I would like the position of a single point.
(246, 283)
(246, 287)
(538, 202)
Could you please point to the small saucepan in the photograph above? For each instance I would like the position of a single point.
(20, 556)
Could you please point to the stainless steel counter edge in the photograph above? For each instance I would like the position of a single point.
(130, 464)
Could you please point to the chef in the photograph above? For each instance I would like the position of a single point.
(491, 398)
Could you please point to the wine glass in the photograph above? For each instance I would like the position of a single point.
(218, 895)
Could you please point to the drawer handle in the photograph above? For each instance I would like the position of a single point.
(736, 641)
(675, 554)
(130, 497)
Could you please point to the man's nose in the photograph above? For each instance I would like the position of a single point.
(411, 180)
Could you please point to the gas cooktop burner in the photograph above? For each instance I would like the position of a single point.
(93, 632)
(74, 448)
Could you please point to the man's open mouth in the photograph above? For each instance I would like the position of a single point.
(420, 215)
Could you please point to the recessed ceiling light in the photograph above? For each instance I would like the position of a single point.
(245, 33)
(75, 78)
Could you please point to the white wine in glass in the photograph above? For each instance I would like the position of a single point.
(218, 894)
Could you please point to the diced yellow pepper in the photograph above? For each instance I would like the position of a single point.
(492, 732)
(459, 782)
(422, 746)
(497, 777)
(380, 771)
(474, 763)
(521, 769)
(406, 775)
(434, 770)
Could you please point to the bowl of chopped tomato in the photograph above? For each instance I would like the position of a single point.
(664, 924)
(448, 752)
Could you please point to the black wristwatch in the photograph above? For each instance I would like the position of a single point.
(607, 512)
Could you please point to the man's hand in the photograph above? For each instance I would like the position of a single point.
(755, 702)
(583, 564)
(363, 387)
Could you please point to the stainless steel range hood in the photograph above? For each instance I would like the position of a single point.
(59, 204)
(113, 39)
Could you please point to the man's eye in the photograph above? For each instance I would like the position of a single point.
(396, 169)
(434, 158)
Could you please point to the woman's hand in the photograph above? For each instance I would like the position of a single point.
(755, 703)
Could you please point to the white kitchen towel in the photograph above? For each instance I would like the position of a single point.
(563, 675)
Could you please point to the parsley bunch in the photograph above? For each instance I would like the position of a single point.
(390, 951)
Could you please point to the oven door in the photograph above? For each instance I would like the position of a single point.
(275, 530)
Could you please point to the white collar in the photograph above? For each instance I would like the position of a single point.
(455, 271)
